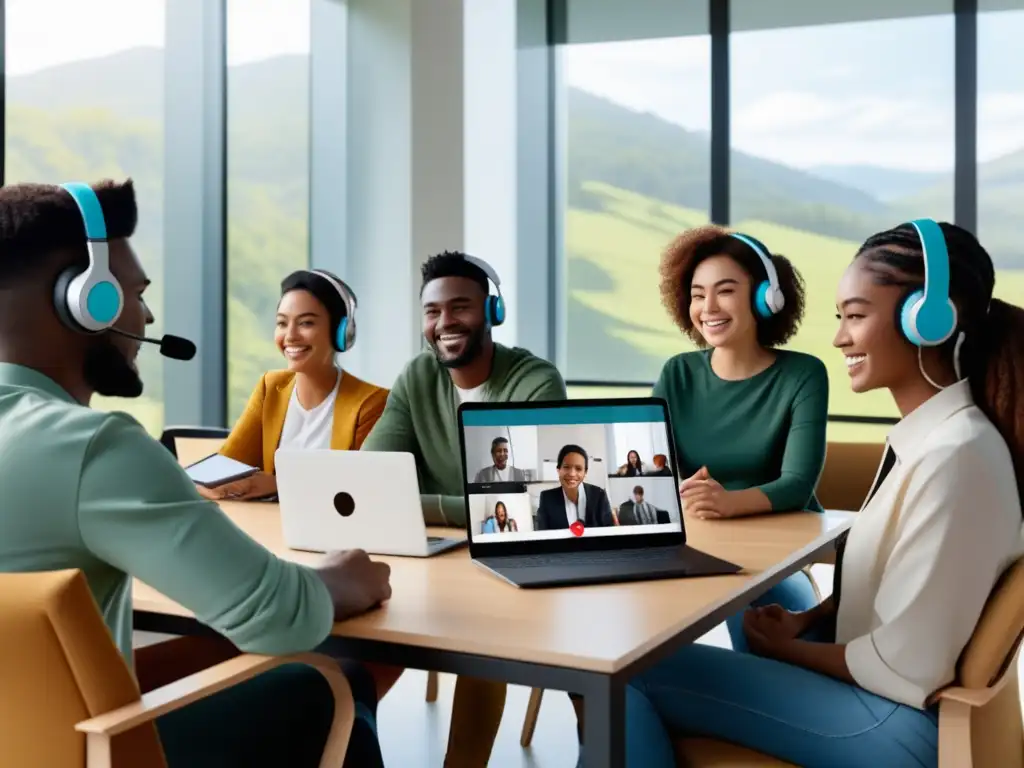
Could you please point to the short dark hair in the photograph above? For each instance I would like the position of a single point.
(40, 220)
(638, 489)
(567, 449)
(689, 249)
(452, 264)
(497, 441)
(325, 293)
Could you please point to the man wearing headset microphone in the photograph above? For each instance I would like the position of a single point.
(93, 491)
(463, 363)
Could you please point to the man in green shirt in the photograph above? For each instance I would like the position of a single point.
(463, 364)
(91, 490)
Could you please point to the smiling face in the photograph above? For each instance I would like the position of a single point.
(303, 332)
(500, 455)
(633, 458)
(572, 471)
(453, 319)
(876, 355)
(720, 303)
(500, 514)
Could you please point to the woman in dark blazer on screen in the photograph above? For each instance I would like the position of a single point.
(573, 499)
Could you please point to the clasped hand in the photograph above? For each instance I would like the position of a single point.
(704, 497)
(770, 627)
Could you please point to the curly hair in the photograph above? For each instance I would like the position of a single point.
(992, 355)
(685, 252)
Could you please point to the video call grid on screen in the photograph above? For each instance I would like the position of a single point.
(514, 487)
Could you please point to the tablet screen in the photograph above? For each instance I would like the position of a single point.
(217, 469)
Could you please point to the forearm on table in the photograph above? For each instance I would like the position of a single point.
(750, 501)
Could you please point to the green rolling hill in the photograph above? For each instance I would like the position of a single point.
(634, 181)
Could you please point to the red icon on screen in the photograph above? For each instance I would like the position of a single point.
(576, 528)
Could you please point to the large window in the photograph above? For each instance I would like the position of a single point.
(84, 103)
(637, 172)
(268, 178)
(838, 131)
(1001, 144)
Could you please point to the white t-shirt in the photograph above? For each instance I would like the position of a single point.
(474, 395)
(576, 510)
(307, 430)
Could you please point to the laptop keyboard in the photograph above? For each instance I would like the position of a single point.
(562, 559)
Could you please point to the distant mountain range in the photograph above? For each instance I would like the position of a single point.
(607, 142)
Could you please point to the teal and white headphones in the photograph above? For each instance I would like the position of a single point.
(767, 296)
(89, 300)
(346, 335)
(927, 316)
(494, 306)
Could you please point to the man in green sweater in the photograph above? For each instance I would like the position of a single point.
(91, 490)
(463, 364)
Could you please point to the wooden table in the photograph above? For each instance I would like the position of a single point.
(450, 616)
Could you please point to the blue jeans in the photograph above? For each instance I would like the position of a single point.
(778, 709)
(795, 593)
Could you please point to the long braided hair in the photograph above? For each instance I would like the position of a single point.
(992, 354)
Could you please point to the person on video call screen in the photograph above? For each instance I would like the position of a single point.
(574, 500)
(501, 471)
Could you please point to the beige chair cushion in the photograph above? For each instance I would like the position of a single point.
(59, 666)
(709, 753)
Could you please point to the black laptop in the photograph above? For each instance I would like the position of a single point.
(576, 492)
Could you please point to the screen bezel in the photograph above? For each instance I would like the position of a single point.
(572, 544)
(248, 472)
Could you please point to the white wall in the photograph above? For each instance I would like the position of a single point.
(659, 491)
(518, 505)
(647, 439)
(591, 437)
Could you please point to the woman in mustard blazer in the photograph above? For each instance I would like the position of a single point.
(313, 403)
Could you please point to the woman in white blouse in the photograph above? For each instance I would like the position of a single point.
(850, 682)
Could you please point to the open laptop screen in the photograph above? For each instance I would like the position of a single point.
(569, 470)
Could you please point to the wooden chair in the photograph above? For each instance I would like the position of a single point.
(979, 716)
(68, 698)
(846, 478)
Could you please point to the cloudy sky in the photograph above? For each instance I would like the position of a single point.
(871, 92)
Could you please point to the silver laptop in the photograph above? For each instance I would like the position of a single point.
(333, 500)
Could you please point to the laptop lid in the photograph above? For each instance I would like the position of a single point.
(333, 500)
(569, 475)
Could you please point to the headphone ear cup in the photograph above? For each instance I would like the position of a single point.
(60, 298)
(905, 319)
(341, 339)
(496, 309)
(761, 308)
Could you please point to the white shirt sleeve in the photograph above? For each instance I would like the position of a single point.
(958, 529)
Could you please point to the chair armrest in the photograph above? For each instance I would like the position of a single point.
(972, 697)
(101, 729)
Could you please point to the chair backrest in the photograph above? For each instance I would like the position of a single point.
(59, 666)
(847, 475)
(997, 732)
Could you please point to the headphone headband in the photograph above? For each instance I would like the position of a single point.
(769, 265)
(486, 268)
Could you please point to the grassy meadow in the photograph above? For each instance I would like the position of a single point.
(623, 243)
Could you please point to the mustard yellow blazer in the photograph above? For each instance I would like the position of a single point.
(257, 432)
